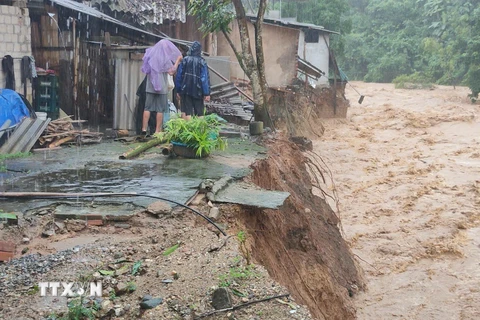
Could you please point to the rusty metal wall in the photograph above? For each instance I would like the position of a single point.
(128, 77)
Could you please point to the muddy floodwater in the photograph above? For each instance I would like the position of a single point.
(97, 168)
(406, 164)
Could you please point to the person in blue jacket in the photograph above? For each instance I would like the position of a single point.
(192, 83)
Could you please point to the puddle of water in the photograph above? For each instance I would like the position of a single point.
(93, 169)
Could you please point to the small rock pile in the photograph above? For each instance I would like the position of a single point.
(24, 271)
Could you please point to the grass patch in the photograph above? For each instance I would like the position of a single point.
(237, 274)
(4, 157)
(412, 81)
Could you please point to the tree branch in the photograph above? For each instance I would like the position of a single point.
(240, 306)
(235, 51)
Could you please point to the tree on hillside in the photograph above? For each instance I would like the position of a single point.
(216, 16)
(439, 39)
(330, 14)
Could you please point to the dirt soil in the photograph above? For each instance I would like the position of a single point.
(185, 279)
(406, 164)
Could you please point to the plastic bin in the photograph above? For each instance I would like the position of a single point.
(46, 95)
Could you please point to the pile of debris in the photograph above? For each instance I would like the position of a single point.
(227, 103)
(61, 131)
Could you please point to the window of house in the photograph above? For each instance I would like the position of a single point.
(312, 36)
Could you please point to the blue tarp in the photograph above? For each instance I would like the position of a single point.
(12, 107)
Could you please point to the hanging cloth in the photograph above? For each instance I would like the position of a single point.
(25, 69)
(7, 68)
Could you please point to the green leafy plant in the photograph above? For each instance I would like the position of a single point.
(171, 249)
(242, 238)
(131, 286)
(77, 310)
(136, 267)
(200, 133)
(236, 274)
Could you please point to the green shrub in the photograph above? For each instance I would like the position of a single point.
(413, 81)
(473, 81)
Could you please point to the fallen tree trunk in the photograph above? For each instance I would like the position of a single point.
(141, 148)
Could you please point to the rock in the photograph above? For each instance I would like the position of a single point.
(303, 143)
(75, 225)
(119, 311)
(210, 204)
(26, 240)
(159, 207)
(106, 308)
(151, 303)
(175, 275)
(123, 225)
(206, 185)
(214, 213)
(59, 225)
(198, 199)
(147, 297)
(121, 288)
(48, 233)
(221, 299)
(211, 196)
(118, 255)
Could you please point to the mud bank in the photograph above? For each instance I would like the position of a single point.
(300, 244)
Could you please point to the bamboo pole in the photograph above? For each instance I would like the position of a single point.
(141, 148)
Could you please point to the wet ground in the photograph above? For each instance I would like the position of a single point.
(98, 169)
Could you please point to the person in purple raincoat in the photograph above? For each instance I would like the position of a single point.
(159, 61)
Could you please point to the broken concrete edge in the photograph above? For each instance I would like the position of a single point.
(221, 184)
(211, 187)
(93, 219)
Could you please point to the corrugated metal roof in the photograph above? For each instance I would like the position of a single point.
(80, 7)
(148, 11)
(292, 24)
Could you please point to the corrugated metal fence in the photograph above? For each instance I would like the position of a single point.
(128, 77)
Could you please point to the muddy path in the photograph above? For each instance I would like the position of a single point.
(406, 164)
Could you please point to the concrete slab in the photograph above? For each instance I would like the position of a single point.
(251, 195)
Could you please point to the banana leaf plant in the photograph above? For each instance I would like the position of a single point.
(199, 133)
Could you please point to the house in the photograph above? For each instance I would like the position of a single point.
(292, 50)
(16, 43)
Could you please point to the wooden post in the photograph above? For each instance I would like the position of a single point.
(75, 69)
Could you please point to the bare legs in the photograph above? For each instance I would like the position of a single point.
(146, 117)
(159, 127)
